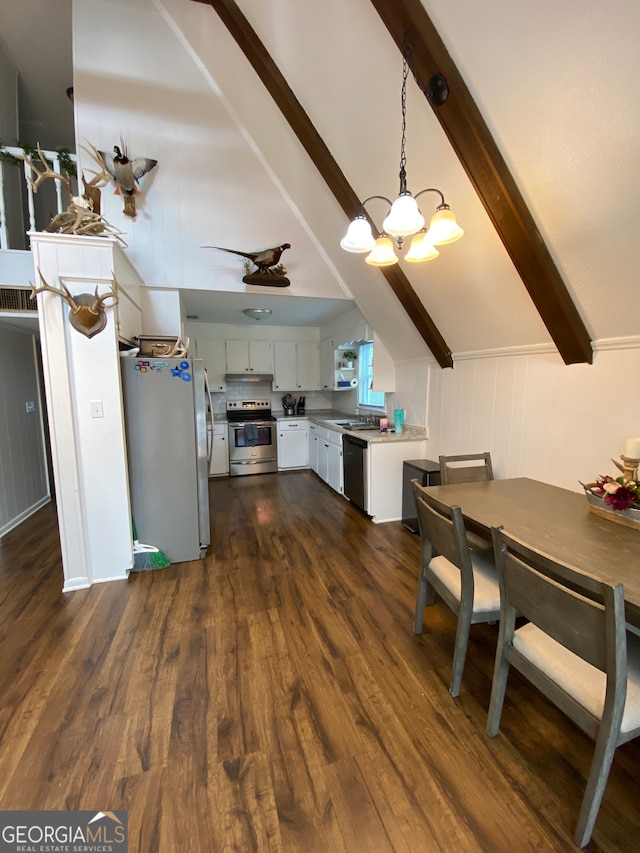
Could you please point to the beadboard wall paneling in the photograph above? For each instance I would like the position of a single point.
(411, 393)
(24, 484)
(537, 416)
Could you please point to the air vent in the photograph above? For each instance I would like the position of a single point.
(17, 299)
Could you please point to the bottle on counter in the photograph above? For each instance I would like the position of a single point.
(384, 424)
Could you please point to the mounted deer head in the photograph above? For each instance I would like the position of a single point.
(87, 313)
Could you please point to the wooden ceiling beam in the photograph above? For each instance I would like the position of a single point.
(411, 27)
(275, 83)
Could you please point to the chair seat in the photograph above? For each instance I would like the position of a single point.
(486, 590)
(577, 677)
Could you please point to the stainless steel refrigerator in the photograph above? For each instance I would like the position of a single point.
(166, 407)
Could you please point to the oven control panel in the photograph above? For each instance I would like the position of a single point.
(248, 405)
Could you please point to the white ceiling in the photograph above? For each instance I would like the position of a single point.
(557, 84)
(222, 307)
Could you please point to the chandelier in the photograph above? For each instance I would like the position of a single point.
(404, 218)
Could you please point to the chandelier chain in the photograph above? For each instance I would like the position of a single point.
(403, 105)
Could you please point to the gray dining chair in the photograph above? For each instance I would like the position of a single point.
(574, 648)
(466, 580)
(468, 468)
(475, 468)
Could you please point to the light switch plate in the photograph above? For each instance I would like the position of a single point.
(97, 410)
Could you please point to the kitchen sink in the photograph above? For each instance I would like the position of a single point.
(357, 426)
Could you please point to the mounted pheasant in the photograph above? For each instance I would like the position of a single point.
(269, 271)
(126, 173)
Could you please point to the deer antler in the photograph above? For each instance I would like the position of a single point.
(64, 293)
(99, 300)
(87, 313)
(101, 178)
(47, 173)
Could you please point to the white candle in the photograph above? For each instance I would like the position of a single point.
(632, 448)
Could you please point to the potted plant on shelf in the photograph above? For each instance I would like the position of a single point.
(349, 357)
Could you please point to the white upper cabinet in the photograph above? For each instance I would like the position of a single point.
(296, 366)
(285, 377)
(214, 356)
(249, 356)
(308, 366)
(327, 376)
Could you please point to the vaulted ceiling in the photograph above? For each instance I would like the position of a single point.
(554, 84)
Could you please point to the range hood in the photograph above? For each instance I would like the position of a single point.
(249, 377)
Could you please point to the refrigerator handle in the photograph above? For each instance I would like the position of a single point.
(209, 417)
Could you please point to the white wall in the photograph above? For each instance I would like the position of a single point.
(411, 392)
(538, 417)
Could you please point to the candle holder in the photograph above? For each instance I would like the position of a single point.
(629, 467)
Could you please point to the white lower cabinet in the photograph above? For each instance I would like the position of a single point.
(313, 447)
(386, 461)
(219, 465)
(329, 462)
(335, 473)
(293, 444)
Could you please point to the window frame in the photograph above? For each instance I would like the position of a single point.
(373, 400)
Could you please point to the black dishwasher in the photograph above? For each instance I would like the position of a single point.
(354, 454)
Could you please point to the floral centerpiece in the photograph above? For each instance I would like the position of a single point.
(618, 493)
(615, 498)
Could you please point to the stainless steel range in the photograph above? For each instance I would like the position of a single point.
(253, 446)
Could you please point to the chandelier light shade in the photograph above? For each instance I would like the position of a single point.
(443, 227)
(421, 249)
(404, 218)
(358, 237)
(382, 254)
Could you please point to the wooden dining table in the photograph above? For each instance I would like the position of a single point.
(558, 522)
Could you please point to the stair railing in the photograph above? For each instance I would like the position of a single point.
(30, 220)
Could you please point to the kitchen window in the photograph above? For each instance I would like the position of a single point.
(367, 397)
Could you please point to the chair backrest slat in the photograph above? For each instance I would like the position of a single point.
(576, 622)
(578, 611)
(443, 527)
(452, 472)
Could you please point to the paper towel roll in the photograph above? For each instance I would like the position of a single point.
(354, 383)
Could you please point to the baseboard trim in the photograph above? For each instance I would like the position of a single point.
(15, 522)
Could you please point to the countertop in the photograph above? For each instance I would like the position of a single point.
(373, 436)
(322, 417)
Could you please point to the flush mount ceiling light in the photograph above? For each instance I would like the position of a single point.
(257, 313)
(404, 218)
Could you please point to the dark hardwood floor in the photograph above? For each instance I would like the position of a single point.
(273, 697)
